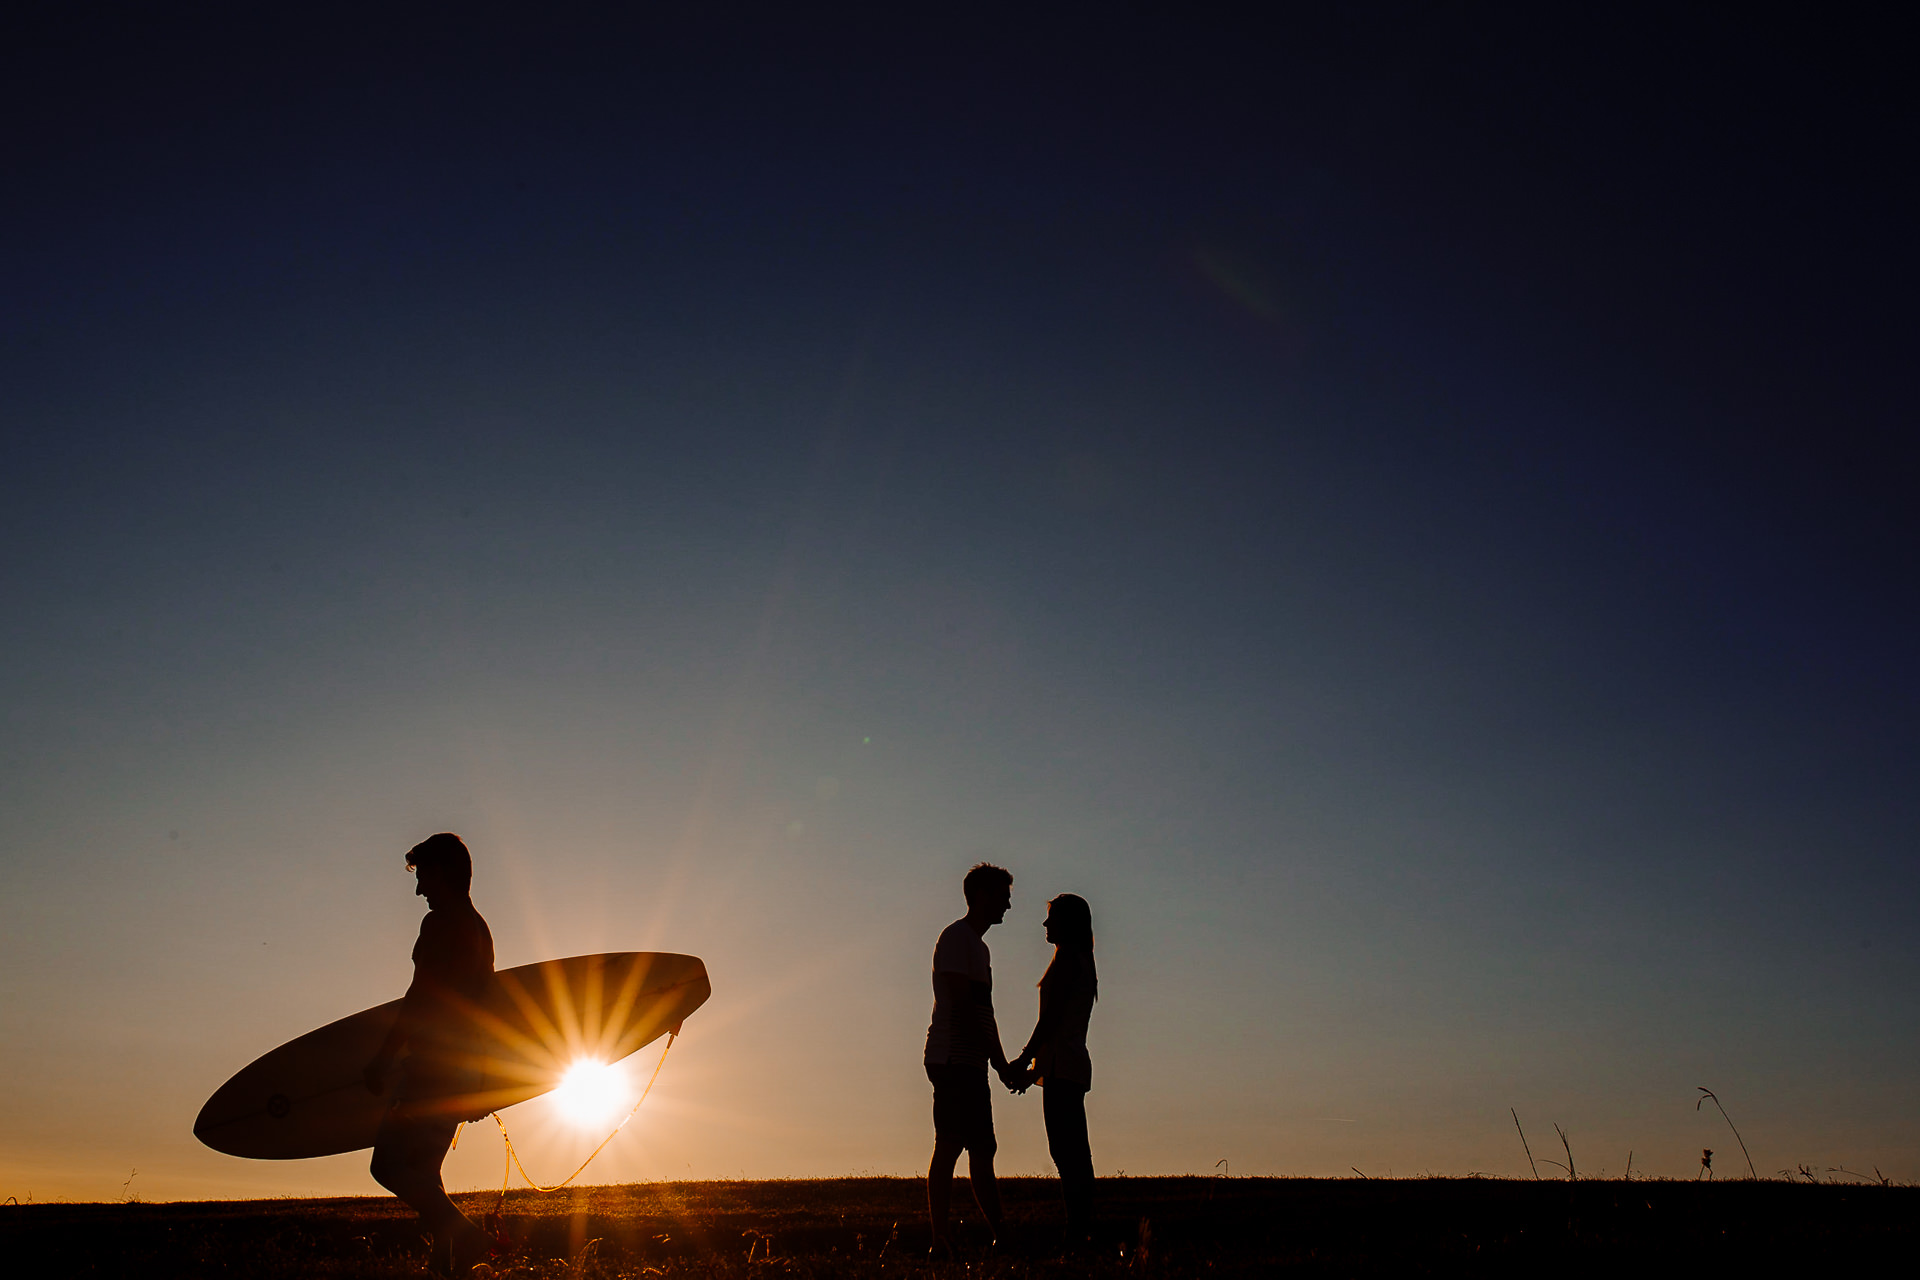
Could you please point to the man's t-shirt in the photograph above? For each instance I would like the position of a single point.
(955, 1036)
(452, 973)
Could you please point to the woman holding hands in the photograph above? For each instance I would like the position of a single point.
(1056, 1053)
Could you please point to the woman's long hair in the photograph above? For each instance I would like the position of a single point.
(1072, 933)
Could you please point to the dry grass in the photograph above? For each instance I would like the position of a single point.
(870, 1229)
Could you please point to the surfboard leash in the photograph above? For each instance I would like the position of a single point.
(513, 1157)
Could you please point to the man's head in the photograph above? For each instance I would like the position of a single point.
(989, 891)
(442, 866)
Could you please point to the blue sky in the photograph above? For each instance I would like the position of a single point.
(1419, 542)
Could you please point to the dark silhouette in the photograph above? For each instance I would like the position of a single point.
(452, 974)
(1056, 1054)
(962, 1042)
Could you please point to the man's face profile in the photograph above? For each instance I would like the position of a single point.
(430, 883)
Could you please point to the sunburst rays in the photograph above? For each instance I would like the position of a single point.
(541, 1023)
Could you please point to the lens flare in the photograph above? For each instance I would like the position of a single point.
(592, 1093)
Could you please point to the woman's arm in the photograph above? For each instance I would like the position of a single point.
(1044, 1029)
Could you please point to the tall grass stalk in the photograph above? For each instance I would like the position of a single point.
(1571, 1175)
(1523, 1144)
(1697, 1103)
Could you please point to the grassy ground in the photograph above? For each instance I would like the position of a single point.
(1148, 1227)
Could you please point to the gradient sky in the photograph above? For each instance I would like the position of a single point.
(1413, 521)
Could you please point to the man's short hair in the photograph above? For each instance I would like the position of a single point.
(983, 878)
(445, 853)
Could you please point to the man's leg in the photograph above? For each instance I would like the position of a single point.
(407, 1153)
(962, 1121)
(940, 1187)
(981, 1146)
(948, 1142)
(986, 1188)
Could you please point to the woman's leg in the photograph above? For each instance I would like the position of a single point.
(1065, 1105)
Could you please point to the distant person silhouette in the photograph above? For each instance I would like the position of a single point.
(452, 974)
(1056, 1053)
(962, 1042)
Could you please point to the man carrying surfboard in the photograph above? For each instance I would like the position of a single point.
(452, 975)
(962, 1042)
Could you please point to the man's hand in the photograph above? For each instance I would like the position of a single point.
(1020, 1074)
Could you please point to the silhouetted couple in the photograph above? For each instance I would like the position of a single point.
(964, 1040)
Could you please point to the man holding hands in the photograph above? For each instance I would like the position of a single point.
(962, 1042)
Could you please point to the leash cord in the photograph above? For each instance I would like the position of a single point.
(513, 1157)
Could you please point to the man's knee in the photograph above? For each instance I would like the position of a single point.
(406, 1159)
(387, 1169)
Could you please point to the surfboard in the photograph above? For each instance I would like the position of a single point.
(308, 1097)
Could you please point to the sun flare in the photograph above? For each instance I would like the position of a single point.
(592, 1093)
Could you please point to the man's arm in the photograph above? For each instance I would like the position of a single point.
(968, 998)
(375, 1072)
(989, 1029)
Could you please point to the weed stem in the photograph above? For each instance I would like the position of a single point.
(1523, 1144)
(1729, 1119)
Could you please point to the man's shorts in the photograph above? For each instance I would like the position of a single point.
(411, 1144)
(962, 1107)
(441, 1089)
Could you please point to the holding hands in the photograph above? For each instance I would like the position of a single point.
(1019, 1075)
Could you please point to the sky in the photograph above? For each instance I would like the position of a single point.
(1410, 517)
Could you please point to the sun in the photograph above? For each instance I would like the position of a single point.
(592, 1093)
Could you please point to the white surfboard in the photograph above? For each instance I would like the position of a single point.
(308, 1097)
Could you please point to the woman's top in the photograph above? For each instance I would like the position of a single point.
(1059, 1041)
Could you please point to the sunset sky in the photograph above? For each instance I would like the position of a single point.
(1413, 521)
